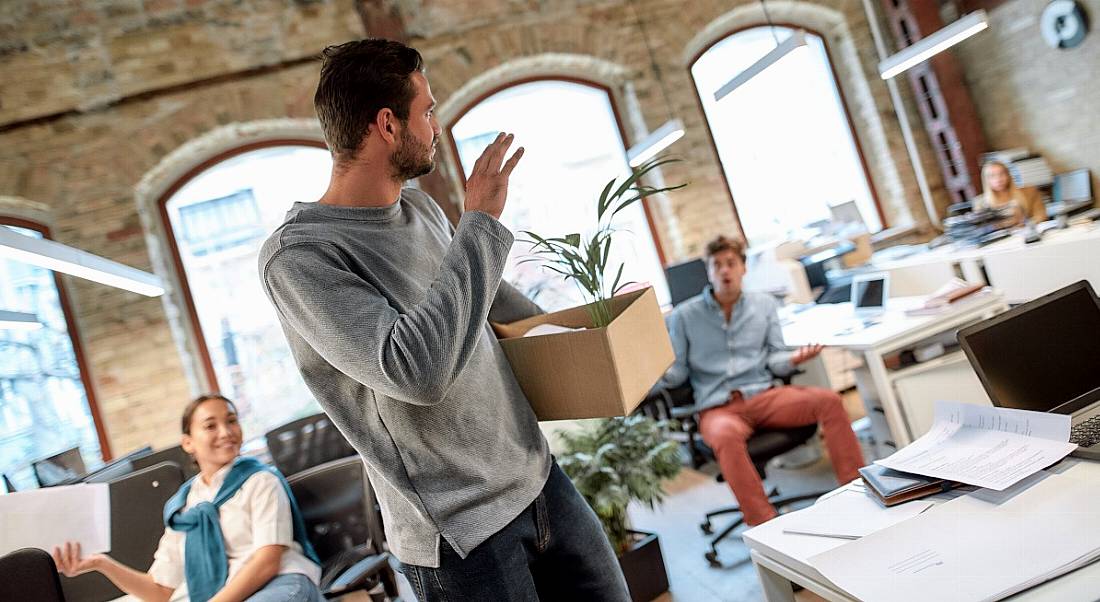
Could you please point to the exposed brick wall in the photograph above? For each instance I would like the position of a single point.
(1031, 95)
(87, 64)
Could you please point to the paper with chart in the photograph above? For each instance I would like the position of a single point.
(986, 545)
(985, 446)
(44, 518)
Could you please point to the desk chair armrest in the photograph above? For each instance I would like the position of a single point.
(361, 575)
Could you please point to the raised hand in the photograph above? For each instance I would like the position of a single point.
(806, 353)
(487, 186)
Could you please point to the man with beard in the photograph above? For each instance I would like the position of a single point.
(386, 309)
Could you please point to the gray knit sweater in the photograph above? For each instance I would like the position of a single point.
(386, 313)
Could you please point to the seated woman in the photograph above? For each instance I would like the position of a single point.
(233, 532)
(1000, 191)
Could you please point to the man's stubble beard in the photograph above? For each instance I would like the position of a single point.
(412, 158)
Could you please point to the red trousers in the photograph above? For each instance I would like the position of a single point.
(727, 428)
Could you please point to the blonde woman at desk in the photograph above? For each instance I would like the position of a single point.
(1000, 191)
(233, 532)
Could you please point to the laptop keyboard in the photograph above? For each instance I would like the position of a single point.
(1087, 433)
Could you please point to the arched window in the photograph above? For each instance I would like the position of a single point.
(46, 400)
(573, 145)
(218, 215)
(784, 137)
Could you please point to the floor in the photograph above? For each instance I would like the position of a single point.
(676, 523)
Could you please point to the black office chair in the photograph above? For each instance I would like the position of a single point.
(30, 574)
(677, 405)
(137, 523)
(345, 528)
(305, 443)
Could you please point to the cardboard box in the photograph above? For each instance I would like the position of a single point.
(592, 373)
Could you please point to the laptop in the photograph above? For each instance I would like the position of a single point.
(869, 294)
(1042, 356)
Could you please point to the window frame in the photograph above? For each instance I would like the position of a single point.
(74, 337)
(201, 347)
(458, 115)
(843, 103)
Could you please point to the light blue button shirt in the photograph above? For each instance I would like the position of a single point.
(745, 354)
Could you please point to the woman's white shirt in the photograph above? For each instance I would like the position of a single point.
(257, 515)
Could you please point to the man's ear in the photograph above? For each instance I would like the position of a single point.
(386, 124)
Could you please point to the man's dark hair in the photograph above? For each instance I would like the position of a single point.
(358, 79)
(725, 243)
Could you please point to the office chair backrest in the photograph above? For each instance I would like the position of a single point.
(137, 505)
(338, 507)
(29, 574)
(173, 454)
(306, 443)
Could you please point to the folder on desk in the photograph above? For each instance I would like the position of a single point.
(892, 487)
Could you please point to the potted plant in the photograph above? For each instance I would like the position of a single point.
(584, 260)
(615, 461)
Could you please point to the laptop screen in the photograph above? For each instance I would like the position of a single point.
(870, 293)
(1042, 357)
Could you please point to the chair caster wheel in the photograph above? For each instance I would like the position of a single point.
(707, 527)
(712, 559)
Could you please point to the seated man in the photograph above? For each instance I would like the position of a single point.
(730, 344)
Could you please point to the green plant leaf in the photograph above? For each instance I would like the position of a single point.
(604, 201)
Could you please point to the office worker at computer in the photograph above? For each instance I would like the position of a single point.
(233, 532)
(999, 190)
(729, 344)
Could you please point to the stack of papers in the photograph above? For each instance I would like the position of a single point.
(982, 546)
(850, 514)
(985, 446)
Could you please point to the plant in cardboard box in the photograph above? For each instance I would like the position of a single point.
(584, 260)
(615, 461)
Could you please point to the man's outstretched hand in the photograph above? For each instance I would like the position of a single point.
(487, 186)
(806, 353)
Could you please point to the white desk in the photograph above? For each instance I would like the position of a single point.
(893, 420)
(783, 558)
(1021, 271)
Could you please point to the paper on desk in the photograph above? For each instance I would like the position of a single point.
(985, 446)
(982, 546)
(44, 518)
(850, 514)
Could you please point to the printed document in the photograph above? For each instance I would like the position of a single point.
(44, 518)
(985, 446)
(986, 545)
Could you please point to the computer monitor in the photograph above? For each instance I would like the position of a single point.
(870, 292)
(685, 280)
(1072, 186)
(847, 213)
(1041, 355)
(58, 468)
(117, 467)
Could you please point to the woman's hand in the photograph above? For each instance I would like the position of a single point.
(70, 562)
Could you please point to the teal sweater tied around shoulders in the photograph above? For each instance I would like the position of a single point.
(204, 561)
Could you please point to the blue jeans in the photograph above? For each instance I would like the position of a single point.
(290, 587)
(555, 549)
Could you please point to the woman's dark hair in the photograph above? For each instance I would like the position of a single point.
(358, 79)
(189, 411)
